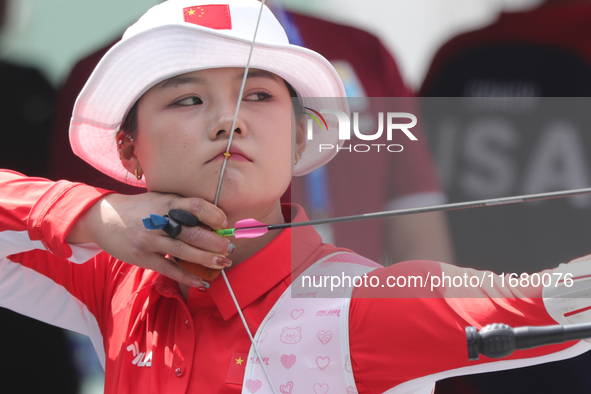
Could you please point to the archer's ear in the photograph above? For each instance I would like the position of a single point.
(126, 149)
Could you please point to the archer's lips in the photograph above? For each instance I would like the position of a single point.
(234, 155)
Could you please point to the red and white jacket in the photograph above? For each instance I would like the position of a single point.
(401, 339)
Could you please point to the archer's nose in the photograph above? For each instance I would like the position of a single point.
(225, 123)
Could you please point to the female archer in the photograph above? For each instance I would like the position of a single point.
(159, 111)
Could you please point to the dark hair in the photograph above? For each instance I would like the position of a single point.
(298, 109)
(130, 122)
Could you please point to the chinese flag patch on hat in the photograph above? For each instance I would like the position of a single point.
(216, 16)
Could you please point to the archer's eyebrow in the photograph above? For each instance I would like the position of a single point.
(182, 80)
(186, 80)
(258, 74)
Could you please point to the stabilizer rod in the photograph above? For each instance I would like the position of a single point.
(500, 340)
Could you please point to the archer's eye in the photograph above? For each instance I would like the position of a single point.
(259, 96)
(187, 101)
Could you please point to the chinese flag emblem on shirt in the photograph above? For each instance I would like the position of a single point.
(237, 368)
(215, 16)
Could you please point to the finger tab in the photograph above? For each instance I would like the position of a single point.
(205, 273)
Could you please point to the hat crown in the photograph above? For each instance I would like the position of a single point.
(241, 15)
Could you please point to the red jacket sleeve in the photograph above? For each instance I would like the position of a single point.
(412, 334)
(36, 279)
(45, 209)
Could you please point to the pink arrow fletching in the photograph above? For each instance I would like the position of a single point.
(242, 232)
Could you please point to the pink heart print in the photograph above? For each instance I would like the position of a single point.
(253, 385)
(322, 362)
(288, 360)
(296, 313)
(286, 388)
(263, 336)
(324, 336)
(320, 388)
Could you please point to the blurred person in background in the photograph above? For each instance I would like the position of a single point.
(539, 53)
(360, 183)
(34, 356)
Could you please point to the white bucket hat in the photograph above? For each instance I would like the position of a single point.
(180, 36)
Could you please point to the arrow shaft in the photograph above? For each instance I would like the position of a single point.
(434, 208)
(438, 208)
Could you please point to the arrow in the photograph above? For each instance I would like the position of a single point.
(251, 228)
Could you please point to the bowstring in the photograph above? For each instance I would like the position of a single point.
(217, 195)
